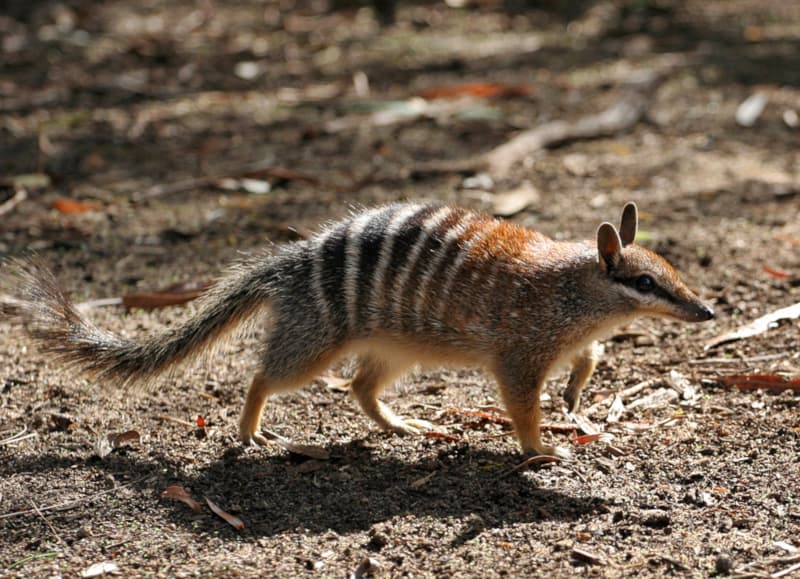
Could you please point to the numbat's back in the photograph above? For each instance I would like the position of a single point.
(397, 285)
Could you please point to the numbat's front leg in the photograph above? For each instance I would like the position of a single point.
(582, 368)
(521, 393)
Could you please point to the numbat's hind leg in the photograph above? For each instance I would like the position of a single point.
(373, 375)
(263, 385)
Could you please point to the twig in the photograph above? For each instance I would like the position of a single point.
(623, 394)
(35, 557)
(618, 118)
(787, 571)
(757, 326)
(176, 420)
(762, 358)
(19, 196)
(19, 437)
(49, 525)
(187, 184)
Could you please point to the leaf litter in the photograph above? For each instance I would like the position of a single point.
(232, 520)
(757, 326)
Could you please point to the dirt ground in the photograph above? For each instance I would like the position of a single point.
(109, 100)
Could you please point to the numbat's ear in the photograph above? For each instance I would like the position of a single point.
(609, 246)
(629, 224)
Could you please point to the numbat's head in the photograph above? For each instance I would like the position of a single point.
(642, 280)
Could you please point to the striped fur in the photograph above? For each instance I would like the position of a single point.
(394, 285)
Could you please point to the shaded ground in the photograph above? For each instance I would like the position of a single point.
(110, 99)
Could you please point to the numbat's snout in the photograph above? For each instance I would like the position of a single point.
(397, 285)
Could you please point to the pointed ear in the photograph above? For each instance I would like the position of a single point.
(629, 224)
(609, 246)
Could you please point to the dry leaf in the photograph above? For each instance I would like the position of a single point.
(232, 520)
(757, 326)
(477, 89)
(100, 569)
(587, 556)
(586, 425)
(315, 452)
(179, 493)
(73, 206)
(493, 418)
(442, 436)
(105, 445)
(657, 399)
(172, 296)
(589, 438)
(117, 439)
(777, 273)
(616, 410)
(512, 202)
(102, 447)
(640, 427)
(772, 382)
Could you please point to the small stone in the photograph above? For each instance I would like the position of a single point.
(247, 70)
(482, 181)
(751, 108)
(377, 540)
(655, 519)
(723, 565)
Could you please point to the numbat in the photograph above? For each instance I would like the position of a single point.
(395, 286)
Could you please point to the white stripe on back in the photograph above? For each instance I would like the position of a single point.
(428, 228)
(452, 236)
(317, 282)
(352, 261)
(397, 223)
(451, 273)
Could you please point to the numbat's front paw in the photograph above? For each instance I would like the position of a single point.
(573, 401)
(253, 439)
(408, 426)
(546, 450)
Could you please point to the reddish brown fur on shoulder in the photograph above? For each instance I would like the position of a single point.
(505, 240)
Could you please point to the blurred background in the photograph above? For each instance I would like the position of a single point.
(172, 123)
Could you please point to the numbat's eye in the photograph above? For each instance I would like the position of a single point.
(645, 283)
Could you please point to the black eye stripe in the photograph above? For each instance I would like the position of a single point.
(657, 290)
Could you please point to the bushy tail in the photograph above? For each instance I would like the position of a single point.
(62, 331)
